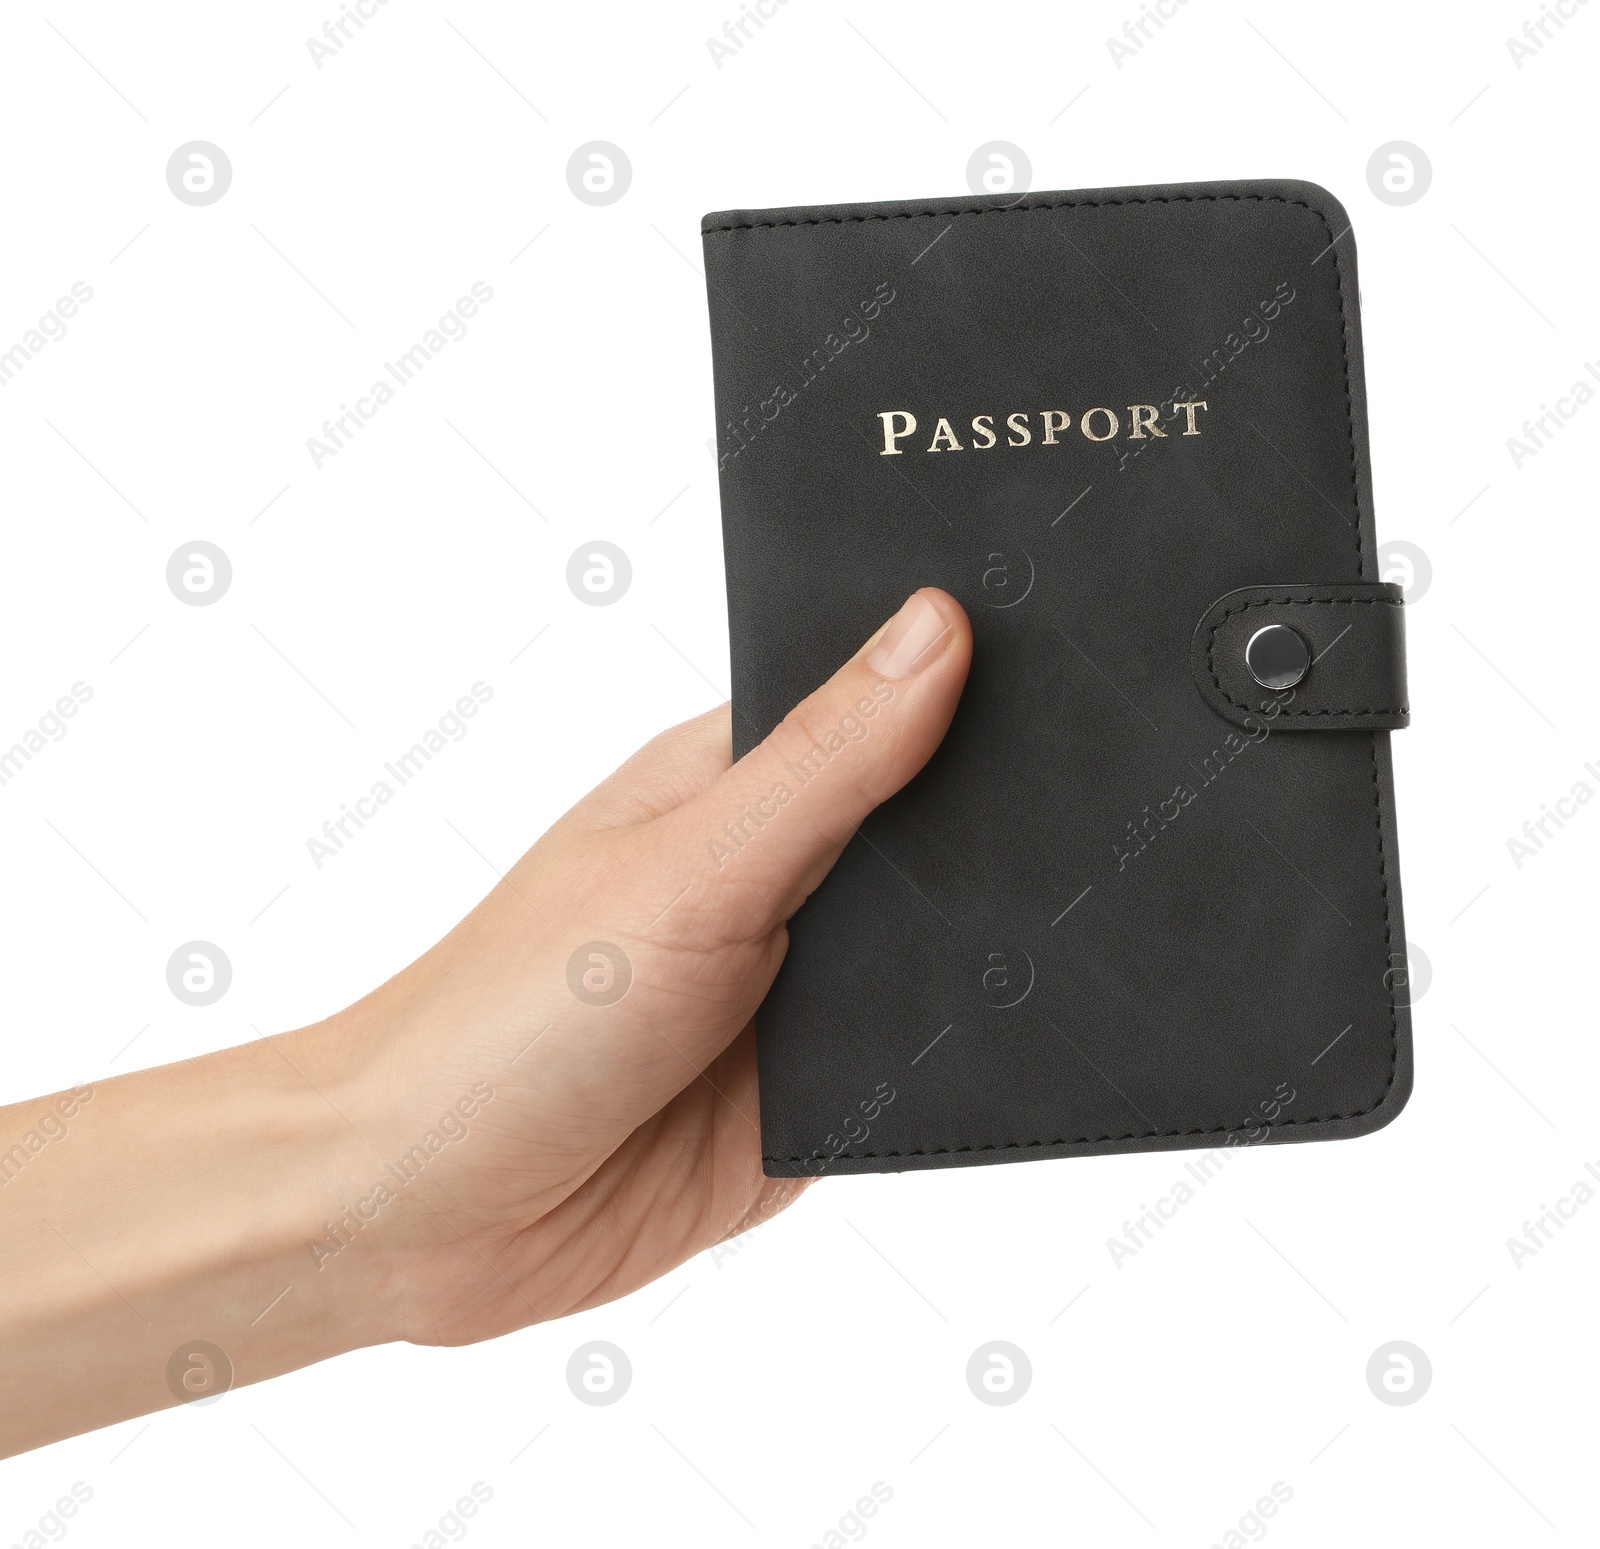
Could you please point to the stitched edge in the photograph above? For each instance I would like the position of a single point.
(1028, 209)
(1361, 566)
(1295, 602)
(1091, 1140)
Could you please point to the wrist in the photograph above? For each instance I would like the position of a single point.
(318, 1234)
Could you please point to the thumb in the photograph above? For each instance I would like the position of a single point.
(769, 829)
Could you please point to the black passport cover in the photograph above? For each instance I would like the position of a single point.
(1135, 902)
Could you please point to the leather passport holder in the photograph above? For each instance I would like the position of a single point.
(1146, 895)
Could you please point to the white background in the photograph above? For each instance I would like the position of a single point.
(774, 1387)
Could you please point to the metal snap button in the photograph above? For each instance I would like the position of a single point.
(1277, 657)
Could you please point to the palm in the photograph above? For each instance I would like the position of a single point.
(686, 1179)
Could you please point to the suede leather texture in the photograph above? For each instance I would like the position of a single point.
(1134, 902)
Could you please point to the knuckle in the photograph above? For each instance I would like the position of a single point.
(825, 735)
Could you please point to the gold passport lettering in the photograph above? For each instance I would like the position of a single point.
(1044, 427)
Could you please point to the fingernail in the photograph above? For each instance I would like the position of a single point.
(906, 646)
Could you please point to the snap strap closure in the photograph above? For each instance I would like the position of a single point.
(1306, 658)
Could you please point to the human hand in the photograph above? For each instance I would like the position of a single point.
(621, 1136)
(490, 1138)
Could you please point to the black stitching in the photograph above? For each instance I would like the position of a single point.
(1088, 1140)
(1294, 602)
(1026, 209)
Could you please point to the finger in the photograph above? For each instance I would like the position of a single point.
(766, 833)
